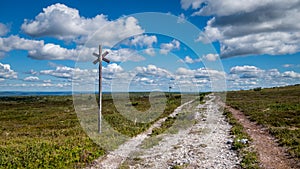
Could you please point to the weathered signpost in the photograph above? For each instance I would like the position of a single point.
(170, 87)
(99, 59)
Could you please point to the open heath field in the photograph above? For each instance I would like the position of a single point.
(44, 131)
(277, 109)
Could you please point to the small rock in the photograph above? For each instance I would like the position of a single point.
(243, 141)
(229, 142)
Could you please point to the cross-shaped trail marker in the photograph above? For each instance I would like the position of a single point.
(99, 59)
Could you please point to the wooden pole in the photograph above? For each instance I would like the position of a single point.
(100, 91)
(99, 59)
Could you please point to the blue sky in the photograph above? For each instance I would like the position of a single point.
(187, 44)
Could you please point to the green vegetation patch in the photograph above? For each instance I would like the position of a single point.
(44, 131)
(150, 142)
(140, 101)
(277, 109)
(249, 156)
(164, 126)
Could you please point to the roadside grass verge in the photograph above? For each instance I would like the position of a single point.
(248, 155)
(277, 109)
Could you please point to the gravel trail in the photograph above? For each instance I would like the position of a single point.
(204, 144)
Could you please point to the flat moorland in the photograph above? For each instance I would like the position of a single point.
(44, 131)
(277, 109)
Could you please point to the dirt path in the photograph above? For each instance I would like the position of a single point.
(203, 144)
(271, 155)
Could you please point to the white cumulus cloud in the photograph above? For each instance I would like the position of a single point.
(31, 78)
(113, 68)
(152, 70)
(37, 49)
(16, 43)
(291, 74)
(195, 4)
(247, 71)
(198, 73)
(184, 71)
(124, 54)
(56, 52)
(150, 51)
(181, 18)
(250, 27)
(146, 42)
(143, 40)
(167, 47)
(79, 75)
(6, 72)
(65, 23)
(246, 77)
(211, 57)
(188, 59)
